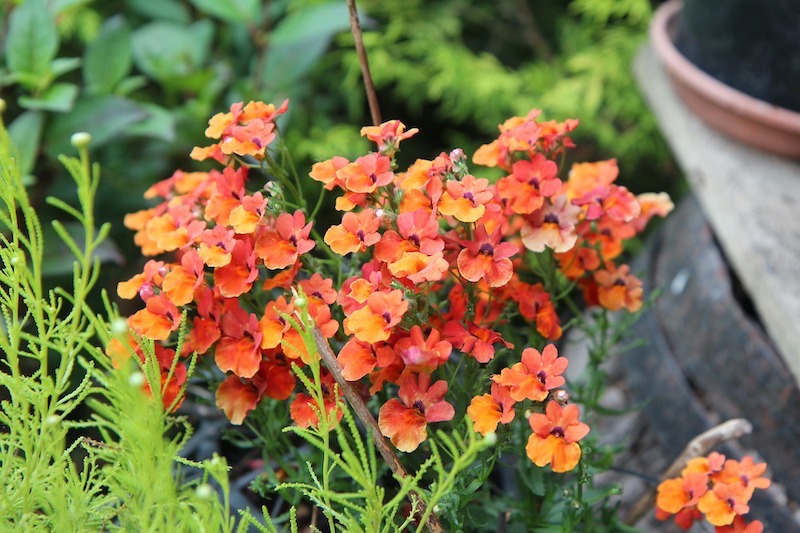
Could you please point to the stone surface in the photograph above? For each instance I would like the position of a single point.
(751, 199)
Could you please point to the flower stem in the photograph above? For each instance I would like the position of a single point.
(372, 97)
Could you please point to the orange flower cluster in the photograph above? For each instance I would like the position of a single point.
(716, 488)
(439, 256)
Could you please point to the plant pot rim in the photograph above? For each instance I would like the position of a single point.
(729, 110)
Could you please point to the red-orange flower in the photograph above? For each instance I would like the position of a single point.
(529, 183)
(723, 502)
(305, 410)
(740, 525)
(281, 245)
(681, 493)
(420, 354)
(535, 376)
(488, 410)
(405, 422)
(618, 288)
(465, 200)
(356, 233)
(555, 437)
(475, 340)
(388, 135)
(181, 282)
(367, 173)
(359, 358)
(486, 257)
(374, 321)
(157, 320)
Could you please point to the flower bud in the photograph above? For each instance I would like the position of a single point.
(80, 140)
(2, 105)
(52, 420)
(561, 396)
(136, 380)
(204, 491)
(119, 326)
(490, 439)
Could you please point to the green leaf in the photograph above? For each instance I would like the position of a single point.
(103, 116)
(26, 133)
(58, 259)
(32, 40)
(60, 97)
(108, 57)
(171, 10)
(159, 125)
(235, 11)
(166, 51)
(300, 40)
(62, 65)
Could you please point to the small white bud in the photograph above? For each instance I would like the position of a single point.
(300, 302)
(490, 439)
(80, 140)
(437, 509)
(52, 420)
(119, 326)
(136, 380)
(204, 491)
(2, 105)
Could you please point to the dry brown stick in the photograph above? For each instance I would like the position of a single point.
(700, 445)
(372, 97)
(363, 413)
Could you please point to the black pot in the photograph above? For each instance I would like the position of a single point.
(751, 45)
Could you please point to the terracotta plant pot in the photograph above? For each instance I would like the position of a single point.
(734, 113)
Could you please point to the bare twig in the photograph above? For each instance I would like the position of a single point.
(363, 413)
(372, 97)
(698, 446)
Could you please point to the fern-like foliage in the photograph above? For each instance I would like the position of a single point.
(82, 447)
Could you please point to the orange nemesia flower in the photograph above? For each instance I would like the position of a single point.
(488, 410)
(555, 437)
(356, 233)
(157, 320)
(618, 288)
(535, 376)
(374, 321)
(486, 257)
(405, 422)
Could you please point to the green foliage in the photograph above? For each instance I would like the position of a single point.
(366, 505)
(475, 63)
(82, 447)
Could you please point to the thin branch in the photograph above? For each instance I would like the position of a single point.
(698, 446)
(372, 97)
(363, 413)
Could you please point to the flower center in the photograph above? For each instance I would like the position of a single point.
(486, 249)
(419, 406)
(558, 431)
(551, 218)
(541, 376)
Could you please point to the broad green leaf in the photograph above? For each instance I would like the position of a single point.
(300, 40)
(32, 40)
(323, 21)
(243, 11)
(26, 133)
(130, 84)
(59, 97)
(62, 65)
(108, 58)
(171, 10)
(59, 6)
(165, 50)
(103, 116)
(58, 259)
(159, 125)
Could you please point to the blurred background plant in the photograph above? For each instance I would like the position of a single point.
(143, 77)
